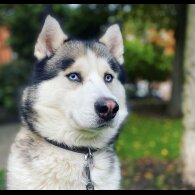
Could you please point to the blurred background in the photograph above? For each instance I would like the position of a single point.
(156, 143)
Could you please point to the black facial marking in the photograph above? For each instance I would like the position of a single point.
(122, 75)
(114, 65)
(27, 113)
(65, 63)
(41, 73)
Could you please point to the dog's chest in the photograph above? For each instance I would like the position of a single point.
(35, 164)
(68, 171)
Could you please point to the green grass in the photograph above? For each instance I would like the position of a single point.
(2, 179)
(146, 136)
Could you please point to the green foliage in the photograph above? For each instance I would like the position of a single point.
(150, 137)
(11, 77)
(2, 180)
(92, 17)
(143, 16)
(25, 22)
(88, 20)
(147, 61)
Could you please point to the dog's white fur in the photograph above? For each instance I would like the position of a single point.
(58, 169)
(66, 114)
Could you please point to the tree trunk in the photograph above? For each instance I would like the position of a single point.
(188, 144)
(175, 105)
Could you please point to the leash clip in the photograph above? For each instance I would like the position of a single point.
(89, 163)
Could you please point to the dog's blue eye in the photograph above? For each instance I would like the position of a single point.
(74, 77)
(108, 78)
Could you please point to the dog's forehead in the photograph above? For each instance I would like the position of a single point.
(75, 49)
(93, 49)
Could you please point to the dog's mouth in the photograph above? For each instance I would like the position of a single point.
(103, 124)
(100, 126)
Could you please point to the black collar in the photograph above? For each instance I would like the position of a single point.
(83, 150)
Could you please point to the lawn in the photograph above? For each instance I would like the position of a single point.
(149, 149)
(144, 138)
(2, 179)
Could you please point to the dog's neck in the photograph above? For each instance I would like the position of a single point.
(81, 149)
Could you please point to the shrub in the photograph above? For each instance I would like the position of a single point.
(12, 77)
(147, 61)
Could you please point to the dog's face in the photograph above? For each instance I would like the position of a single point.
(77, 96)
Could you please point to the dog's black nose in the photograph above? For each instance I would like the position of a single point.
(106, 108)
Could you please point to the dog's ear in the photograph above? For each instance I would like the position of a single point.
(114, 41)
(50, 38)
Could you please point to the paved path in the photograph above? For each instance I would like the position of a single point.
(7, 135)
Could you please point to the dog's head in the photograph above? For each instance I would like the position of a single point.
(77, 96)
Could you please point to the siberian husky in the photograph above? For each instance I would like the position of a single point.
(71, 114)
